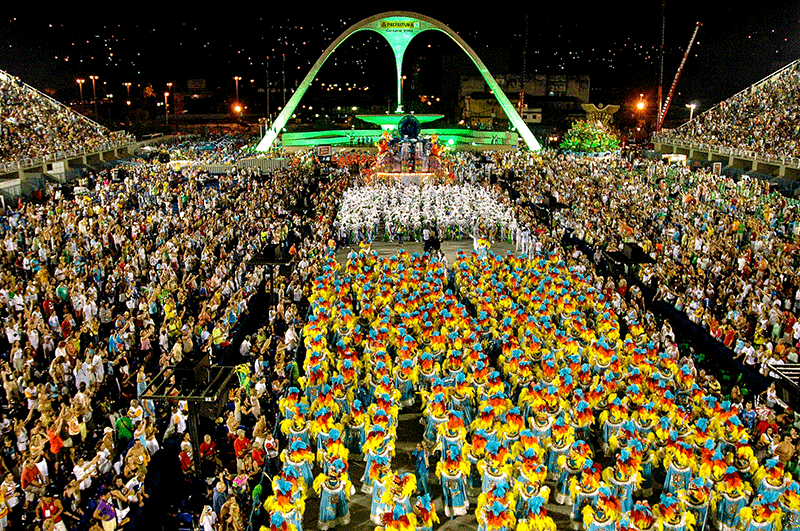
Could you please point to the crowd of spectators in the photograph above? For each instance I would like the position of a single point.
(101, 291)
(765, 119)
(34, 125)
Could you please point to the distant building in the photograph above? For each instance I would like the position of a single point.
(550, 101)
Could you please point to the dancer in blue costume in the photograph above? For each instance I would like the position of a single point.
(623, 479)
(399, 492)
(356, 428)
(790, 507)
(495, 465)
(672, 515)
(611, 421)
(462, 398)
(603, 515)
(428, 371)
(452, 473)
(405, 381)
(425, 511)
(296, 428)
(771, 478)
(436, 412)
(679, 467)
(763, 514)
(284, 502)
(541, 425)
(560, 442)
(299, 457)
(475, 453)
(334, 492)
(697, 499)
(340, 394)
(730, 495)
(377, 445)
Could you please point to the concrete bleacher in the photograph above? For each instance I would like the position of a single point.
(55, 163)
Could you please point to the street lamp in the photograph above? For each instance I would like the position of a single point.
(166, 108)
(237, 79)
(94, 91)
(94, 86)
(691, 107)
(128, 88)
(80, 84)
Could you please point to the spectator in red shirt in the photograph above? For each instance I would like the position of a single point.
(187, 465)
(730, 336)
(31, 481)
(209, 455)
(240, 447)
(259, 456)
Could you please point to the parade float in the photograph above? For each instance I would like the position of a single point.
(590, 138)
(405, 156)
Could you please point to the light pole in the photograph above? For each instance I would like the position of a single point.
(166, 108)
(80, 83)
(128, 88)
(94, 87)
(691, 107)
(237, 79)
(94, 92)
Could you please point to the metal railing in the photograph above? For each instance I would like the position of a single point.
(667, 138)
(787, 371)
(34, 162)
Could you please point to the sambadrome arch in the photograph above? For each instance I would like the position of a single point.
(399, 28)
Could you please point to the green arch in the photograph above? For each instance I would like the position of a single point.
(399, 28)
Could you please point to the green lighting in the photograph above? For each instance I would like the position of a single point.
(399, 28)
(388, 122)
(350, 137)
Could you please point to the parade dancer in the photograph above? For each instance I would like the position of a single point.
(334, 490)
(452, 471)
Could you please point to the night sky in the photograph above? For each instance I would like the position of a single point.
(616, 44)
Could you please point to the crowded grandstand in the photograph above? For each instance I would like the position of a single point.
(523, 372)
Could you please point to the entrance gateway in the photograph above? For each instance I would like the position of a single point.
(399, 28)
